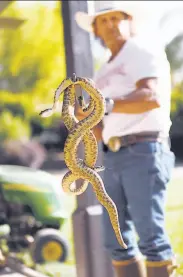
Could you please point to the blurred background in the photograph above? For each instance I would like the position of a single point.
(32, 65)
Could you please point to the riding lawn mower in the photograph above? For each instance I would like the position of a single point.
(31, 204)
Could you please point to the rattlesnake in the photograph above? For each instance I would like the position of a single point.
(80, 131)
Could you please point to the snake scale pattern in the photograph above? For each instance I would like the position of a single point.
(80, 131)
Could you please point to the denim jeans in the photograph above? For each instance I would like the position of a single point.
(136, 178)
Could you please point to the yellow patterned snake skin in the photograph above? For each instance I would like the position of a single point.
(80, 131)
(89, 140)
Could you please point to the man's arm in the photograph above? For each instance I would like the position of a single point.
(144, 98)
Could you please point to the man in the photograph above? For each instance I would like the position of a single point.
(135, 134)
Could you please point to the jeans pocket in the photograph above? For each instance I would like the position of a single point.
(167, 164)
(164, 166)
(146, 149)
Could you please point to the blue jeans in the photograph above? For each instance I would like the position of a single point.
(136, 179)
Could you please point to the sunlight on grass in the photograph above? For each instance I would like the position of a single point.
(67, 269)
(174, 224)
(174, 219)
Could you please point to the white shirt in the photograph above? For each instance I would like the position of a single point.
(139, 58)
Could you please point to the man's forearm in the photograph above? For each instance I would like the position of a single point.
(139, 101)
(137, 107)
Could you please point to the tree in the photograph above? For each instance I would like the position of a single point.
(174, 53)
(32, 64)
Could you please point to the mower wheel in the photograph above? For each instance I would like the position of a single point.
(49, 246)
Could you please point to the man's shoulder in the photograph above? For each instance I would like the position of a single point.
(145, 43)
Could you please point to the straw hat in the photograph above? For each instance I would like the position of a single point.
(140, 13)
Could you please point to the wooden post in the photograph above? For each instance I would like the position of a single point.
(91, 258)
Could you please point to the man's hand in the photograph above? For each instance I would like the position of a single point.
(143, 99)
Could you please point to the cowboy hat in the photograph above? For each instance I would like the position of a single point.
(138, 11)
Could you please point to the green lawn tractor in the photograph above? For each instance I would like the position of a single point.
(31, 204)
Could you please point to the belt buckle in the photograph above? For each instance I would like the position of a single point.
(114, 144)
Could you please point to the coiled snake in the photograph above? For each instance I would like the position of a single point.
(81, 131)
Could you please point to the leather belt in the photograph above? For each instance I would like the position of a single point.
(115, 143)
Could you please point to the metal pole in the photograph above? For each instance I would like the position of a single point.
(91, 258)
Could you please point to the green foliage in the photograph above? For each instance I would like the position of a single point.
(174, 53)
(175, 58)
(32, 66)
(12, 127)
(177, 99)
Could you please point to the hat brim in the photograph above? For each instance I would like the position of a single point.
(85, 21)
(141, 14)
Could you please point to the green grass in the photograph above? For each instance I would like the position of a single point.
(67, 269)
(174, 219)
(174, 224)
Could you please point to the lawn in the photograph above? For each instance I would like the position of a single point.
(174, 223)
(174, 219)
(67, 269)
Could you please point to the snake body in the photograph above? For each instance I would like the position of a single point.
(89, 141)
(80, 131)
